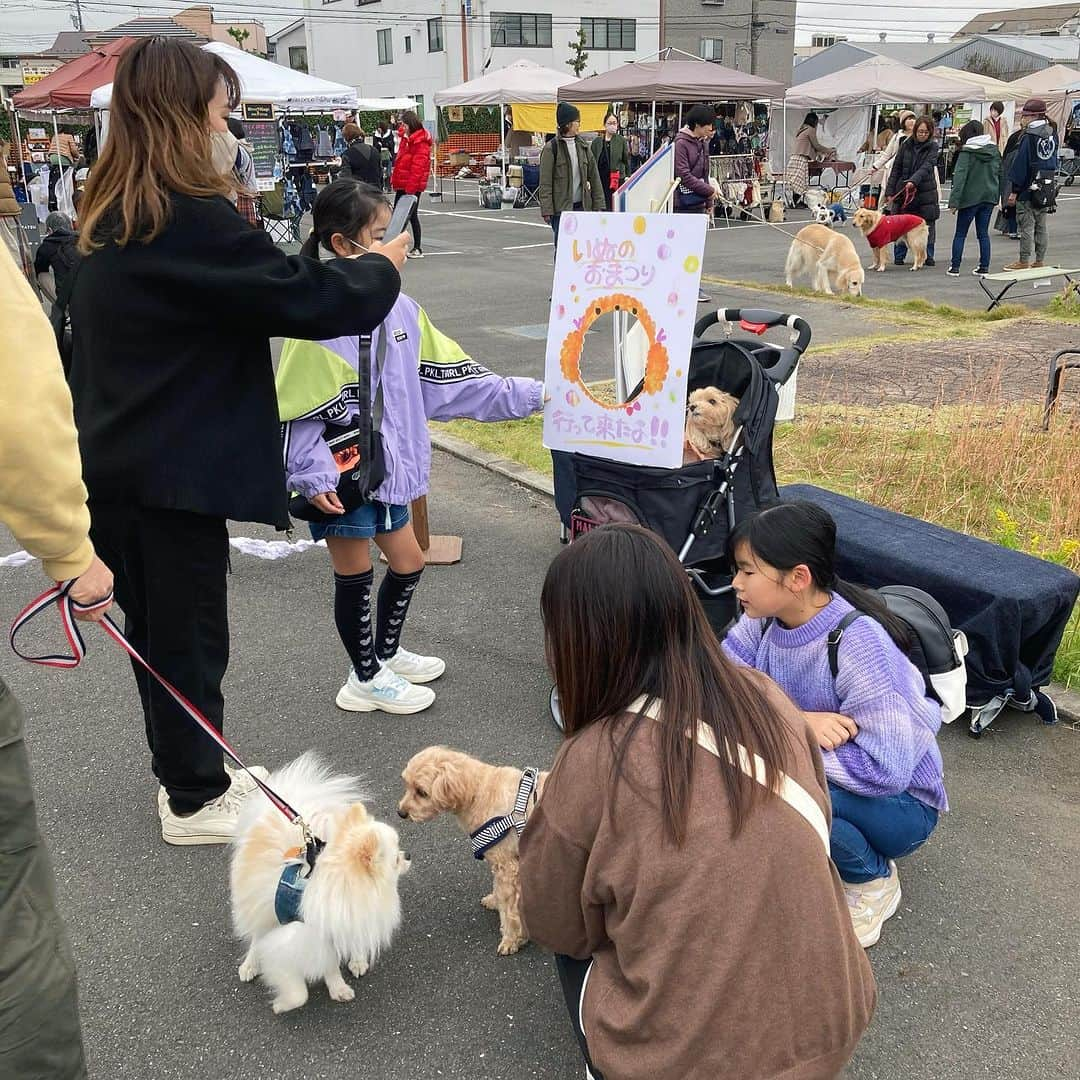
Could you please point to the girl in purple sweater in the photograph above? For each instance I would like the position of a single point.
(874, 722)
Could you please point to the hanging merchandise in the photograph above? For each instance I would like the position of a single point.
(339, 140)
(288, 145)
(324, 144)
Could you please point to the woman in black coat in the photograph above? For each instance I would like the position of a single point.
(172, 310)
(913, 184)
(1008, 213)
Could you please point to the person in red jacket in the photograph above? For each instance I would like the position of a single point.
(412, 168)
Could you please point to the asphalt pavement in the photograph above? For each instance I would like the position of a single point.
(977, 972)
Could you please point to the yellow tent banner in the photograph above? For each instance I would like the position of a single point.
(542, 117)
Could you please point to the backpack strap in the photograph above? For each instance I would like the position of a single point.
(834, 640)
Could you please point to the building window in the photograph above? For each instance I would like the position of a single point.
(610, 33)
(419, 99)
(386, 47)
(434, 35)
(712, 48)
(520, 30)
(298, 57)
(10, 62)
(824, 41)
(408, 43)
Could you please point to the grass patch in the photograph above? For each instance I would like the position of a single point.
(985, 470)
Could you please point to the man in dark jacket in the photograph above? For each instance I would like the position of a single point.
(1031, 183)
(569, 177)
(913, 184)
(360, 161)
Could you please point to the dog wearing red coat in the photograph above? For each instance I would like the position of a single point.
(881, 230)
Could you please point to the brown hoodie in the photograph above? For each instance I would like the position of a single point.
(721, 959)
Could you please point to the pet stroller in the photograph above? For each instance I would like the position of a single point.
(695, 507)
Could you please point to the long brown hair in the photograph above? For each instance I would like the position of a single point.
(620, 621)
(158, 142)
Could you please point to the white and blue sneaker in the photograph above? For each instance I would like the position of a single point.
(387, 692)
(415, 668)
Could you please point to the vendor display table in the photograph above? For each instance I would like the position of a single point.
(843, 170)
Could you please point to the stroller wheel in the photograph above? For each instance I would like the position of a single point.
(553, 705)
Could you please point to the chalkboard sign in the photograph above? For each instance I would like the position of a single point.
(263, 137)
(257, 110)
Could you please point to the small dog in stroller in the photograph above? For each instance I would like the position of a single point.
(695, 507)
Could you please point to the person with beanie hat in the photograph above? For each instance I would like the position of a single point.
(569, 175)
(1030, 183)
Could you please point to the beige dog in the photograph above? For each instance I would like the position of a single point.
(439, 780)
(710, 423)
(881, 231)
(828, 258)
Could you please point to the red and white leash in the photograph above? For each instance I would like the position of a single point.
(60, 595)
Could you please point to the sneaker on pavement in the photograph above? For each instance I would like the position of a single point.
(416, 253)
(929, 261)
(1038, 264)
(871, 903)
(702, 298)
(415, 668)
(387, 692)
(214, 823)
(239, 783)
(953, 271)
(1017, 266)
(981, 271)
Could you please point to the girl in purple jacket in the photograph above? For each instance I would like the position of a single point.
(425, 376)
(874, 722)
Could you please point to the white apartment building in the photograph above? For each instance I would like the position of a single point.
(391, 48)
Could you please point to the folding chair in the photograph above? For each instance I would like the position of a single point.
(281, 214)
(530, 185)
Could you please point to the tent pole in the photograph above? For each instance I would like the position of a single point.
(61, 183)
(19, 148)
(680, 117)
(502, 141)
(652, 131)
(783, 144)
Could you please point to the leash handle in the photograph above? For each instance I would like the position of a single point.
(60, 595)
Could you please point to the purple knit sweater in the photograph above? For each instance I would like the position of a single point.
(877, 686)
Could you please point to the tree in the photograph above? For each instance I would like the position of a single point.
(980, 64)
(239, 35)
(579, 57)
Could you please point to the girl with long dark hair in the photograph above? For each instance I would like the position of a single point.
(423, 375)
(874, 722)
(677, 862)
(172, 312)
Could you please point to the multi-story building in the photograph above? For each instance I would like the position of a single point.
(393, 48)
(748, 35)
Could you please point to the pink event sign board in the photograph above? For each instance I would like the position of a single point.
(648, 265)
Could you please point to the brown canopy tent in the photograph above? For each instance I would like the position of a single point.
(673, 76)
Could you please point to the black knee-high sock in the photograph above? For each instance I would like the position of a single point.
(352, 613)
(395, 592)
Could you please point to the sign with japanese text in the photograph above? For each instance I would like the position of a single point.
(647, 268)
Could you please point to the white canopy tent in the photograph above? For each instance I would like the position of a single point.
(1058, 86)
(864, 87)
(1007, 93)
(262, 80)
(520, 83)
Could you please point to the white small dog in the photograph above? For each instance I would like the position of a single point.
(349, 908)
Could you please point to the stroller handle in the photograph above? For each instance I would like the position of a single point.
(785, 364)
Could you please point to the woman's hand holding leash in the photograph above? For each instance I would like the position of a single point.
(92, 592)
(831, 729)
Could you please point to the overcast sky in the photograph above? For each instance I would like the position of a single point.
(32, 24)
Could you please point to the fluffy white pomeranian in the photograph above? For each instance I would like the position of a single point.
(349, 909)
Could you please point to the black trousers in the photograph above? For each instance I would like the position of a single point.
(170, 568)
(414, 218)
(572, 978)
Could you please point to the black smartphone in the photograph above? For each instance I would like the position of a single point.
(399, 218)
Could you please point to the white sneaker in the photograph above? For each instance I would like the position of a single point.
(388, 691)
(214, 823)
(416, 669)
(239, 783)
(871, 903)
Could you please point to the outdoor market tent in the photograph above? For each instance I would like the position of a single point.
(995, 88)
(71, 85)
(522, 83)
(682, 79)
(881, 81)
(854, 97)
(1050, 79)
(262, 80)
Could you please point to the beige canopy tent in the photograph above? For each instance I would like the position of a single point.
(1059, 87)
(996, 89)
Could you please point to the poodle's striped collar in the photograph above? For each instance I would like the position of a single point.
(491, 832)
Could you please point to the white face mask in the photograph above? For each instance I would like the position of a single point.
(223, 146)
(359, 254)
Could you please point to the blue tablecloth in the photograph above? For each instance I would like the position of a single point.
(1012, 607)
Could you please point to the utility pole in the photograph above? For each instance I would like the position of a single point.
(77, 17)
(466, 8)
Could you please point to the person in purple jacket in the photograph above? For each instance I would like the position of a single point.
(874, 722)
(425, 376)
(694, 194)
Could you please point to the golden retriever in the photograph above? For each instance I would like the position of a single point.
(916, 237)
(439, 780)
(710, 423)
(828, 258)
